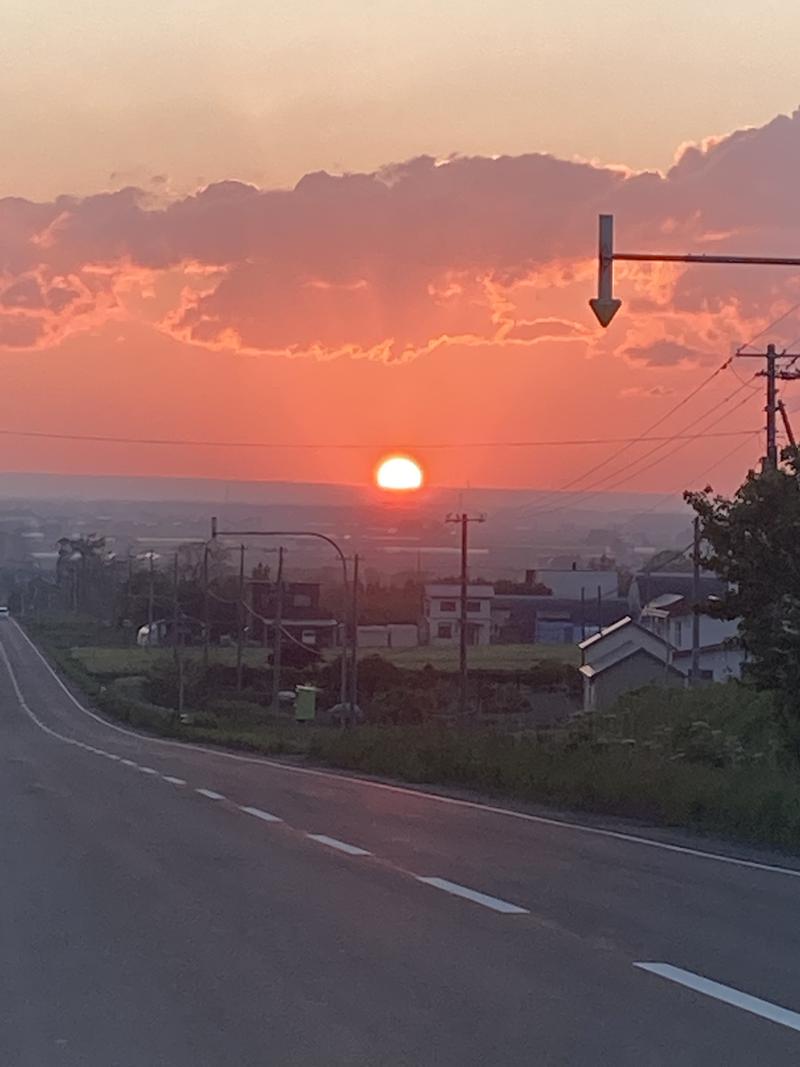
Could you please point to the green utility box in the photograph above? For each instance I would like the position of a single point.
(305, 705)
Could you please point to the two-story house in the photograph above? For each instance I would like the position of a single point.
(301, 615)
(441, 614)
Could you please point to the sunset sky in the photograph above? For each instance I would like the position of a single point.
(373, 225)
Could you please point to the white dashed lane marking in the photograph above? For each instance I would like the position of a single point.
(457, 890)
(173, 781)
(259, 814)
(341, 846)
(727, 994)
(128, 763)
(148, 770)
(210, 794)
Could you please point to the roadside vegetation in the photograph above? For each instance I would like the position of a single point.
(712, 759)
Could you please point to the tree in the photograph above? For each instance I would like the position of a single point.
(754, 545)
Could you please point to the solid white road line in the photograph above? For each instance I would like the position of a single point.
(259, 814)
(210, 794)
(148, 770)
(173, 781)
(487, 809)
(472, 894)
(342, 846)
(725, 993)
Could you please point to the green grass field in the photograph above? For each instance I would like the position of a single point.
(133, 661)
(488, 657)
(127, 661)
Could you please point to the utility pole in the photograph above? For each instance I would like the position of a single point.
(787, 425)
(772, 373)
(354, 643)
(176, 641)
(240, 621)
(276, 642)
(695, 672)
(463, 519)
(206, 608)
(150, 599)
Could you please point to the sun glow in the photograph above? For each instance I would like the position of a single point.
(399, 473)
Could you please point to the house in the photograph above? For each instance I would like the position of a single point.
(671, 615)
(657, 650)
(301, 615)
(441, 614)
(622, 657)
(522, 618)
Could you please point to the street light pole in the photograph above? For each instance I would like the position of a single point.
(216, 532)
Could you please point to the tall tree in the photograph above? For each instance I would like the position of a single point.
(753, 543)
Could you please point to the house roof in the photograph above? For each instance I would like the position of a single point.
(625, 621)
(666, 600)
(633, 650)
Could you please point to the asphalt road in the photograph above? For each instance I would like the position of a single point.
(166, 905)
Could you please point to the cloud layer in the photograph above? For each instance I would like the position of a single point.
(393, 264)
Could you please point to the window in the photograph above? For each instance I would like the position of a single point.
(447, 605)
(301, 600)
(474, 607)
(444, 629)
(678, 634)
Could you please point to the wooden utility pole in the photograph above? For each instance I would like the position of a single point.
(240, 621)
(463, 519)
(276, 641)
(695, 671)
(354, 643)
(772, 373)
(206, 608)
(176, 639)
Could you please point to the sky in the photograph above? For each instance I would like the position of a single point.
(349, 228)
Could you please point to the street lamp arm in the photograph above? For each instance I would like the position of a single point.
(704, 257)
(605, 305)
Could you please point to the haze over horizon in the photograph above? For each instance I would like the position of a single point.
(367, 233)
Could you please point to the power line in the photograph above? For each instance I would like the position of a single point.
(554, 493)
(633, 469)
(695, 478)
(430, 446)
(770, 326)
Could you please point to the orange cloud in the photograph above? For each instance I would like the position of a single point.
(397, 263)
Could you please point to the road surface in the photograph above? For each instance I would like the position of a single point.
(166, 905)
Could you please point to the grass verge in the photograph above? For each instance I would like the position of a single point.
(704, 760)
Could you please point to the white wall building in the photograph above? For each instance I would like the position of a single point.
(442, 614)
(670, 616)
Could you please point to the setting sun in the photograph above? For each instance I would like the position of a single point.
(399, 472)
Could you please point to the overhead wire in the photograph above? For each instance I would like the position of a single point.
(633, 469)
(362, 446)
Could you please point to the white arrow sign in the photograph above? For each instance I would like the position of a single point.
(604, 305)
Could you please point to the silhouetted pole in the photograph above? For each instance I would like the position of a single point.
(206, 608)
(464, 520)
(695, 677)
(354, 641)
(176, 650)
(277, 643)
(150, 600)
(240, 621)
